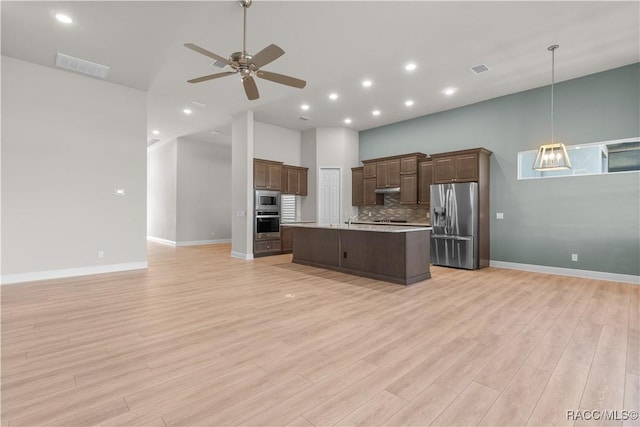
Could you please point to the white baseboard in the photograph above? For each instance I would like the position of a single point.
(587, 274)
(163, 241)
(188, 243)
(71, 272)
(202, 242)
(241, 255)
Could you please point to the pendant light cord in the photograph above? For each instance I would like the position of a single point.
(552, 48)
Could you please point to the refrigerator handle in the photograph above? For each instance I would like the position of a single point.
(447, 218)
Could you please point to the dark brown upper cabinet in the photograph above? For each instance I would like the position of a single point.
(267, 175)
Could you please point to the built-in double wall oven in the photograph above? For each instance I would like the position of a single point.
(267, 215)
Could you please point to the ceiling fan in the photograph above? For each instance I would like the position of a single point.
(248, 65)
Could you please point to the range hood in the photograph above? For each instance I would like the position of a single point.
(388, 190)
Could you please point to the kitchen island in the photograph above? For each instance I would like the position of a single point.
(384, 252)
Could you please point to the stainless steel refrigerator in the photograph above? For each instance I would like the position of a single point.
(454, 218)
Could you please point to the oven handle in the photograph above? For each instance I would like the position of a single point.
(267, 216)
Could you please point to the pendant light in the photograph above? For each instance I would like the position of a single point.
(552, 156)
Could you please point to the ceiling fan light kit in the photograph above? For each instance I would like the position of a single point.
(248, 65)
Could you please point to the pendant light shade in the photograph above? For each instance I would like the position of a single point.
(552, 156)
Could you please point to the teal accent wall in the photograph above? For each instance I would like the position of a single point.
(545, 220)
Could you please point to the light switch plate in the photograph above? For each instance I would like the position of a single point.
(499, 215)
(119, 191)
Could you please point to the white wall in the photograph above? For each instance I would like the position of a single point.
(329, 148)
(339, 148)
(309, 205)
(203, 192)
(161, 190)
(68, 141)
(242, 142)
(277, 143)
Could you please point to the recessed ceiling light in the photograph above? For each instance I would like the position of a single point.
(449, 91)
(333, 96)
(408, 103)
(367, 83)
(376, 112)
(155, 132)
(305, 107)
(410, 66)
(347, 121)
(187, 111)
(65, 19)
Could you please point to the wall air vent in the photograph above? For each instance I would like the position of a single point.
(81, 66)
(304, 118)
(479, 69)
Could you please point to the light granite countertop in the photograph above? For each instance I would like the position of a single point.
(362, 227)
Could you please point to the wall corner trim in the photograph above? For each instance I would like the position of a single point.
(573, 272)
(71, 272)
(241, 255)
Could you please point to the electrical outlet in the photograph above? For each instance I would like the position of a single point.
(574, 257)
(119, 191)
(100, 254)
(369, 213)
(213, 234)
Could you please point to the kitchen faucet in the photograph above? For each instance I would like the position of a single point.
(351, 218)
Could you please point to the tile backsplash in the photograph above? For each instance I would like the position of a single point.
(392, 209)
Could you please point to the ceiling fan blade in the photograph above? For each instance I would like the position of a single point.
(250, 88)
(282, 79)
(207, 53)
(266, 55)
(211, 77)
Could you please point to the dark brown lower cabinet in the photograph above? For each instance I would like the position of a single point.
(286, 239)
(397, 257)
(266, 247)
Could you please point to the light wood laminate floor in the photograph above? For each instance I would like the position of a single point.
(204, 339)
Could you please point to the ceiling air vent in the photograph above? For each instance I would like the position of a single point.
(81, 66)
(479, 69)
(152, 141)
(218, 64)
(304, 118)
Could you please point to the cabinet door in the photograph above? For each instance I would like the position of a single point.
(466, 167)
(370, 197)
(357, 187)
(409, 189)
(302, 182)
(425, 179)
(370, 170)
(267, 246)
(260, 175)
(444, 170)
(394, 173)
(275, 177)
(408, 165)
(286, 239)
(292, 181)
(382, 174)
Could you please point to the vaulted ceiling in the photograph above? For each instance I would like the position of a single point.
(334, 46)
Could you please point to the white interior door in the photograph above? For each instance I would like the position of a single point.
(329, 196)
